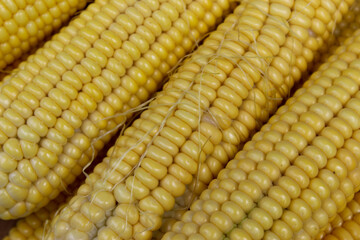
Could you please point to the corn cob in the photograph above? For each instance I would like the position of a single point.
(162, 147)
(23, 24)
(107, 61)
(290, 179)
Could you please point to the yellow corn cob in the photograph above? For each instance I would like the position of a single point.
(23, 24)
(221, 85)
(296, 173)
(352, 209)
(107, 61)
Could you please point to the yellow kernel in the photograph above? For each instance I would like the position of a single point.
(210, 231)
(301, 208)
(282, 229)
(173, 185)
(298, 175)
(293, 220)
(261, 217)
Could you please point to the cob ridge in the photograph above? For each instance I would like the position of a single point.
(233, 81)
(24, 24)
(295, 174)
(107, 61)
